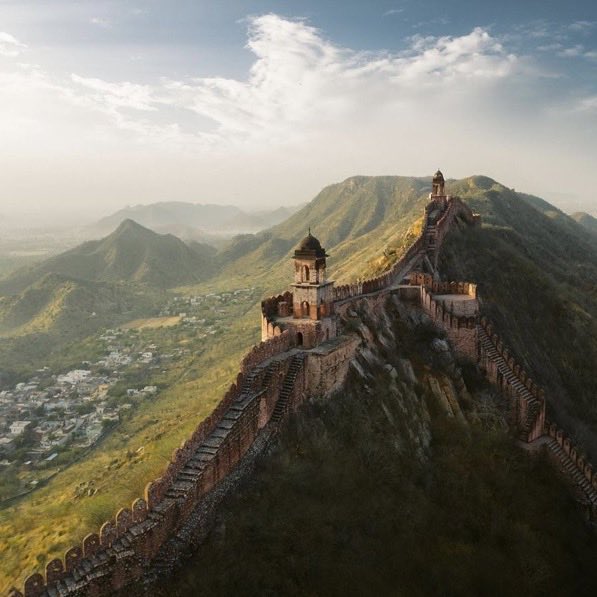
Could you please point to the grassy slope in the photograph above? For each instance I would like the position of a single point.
(537, 271)
(355, 220)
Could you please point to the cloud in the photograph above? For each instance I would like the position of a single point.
(9, 45)
(578, 51)
(587, 104)
(101, 22)
(300, 86)
(582, 26)
(393, 11)
(571, 52)
(117, 95)
(307, 111)
(299, 80)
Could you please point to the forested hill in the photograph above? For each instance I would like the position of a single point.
(132, 253)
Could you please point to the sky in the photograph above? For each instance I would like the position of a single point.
(106, 103)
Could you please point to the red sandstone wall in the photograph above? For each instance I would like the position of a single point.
(461, 331)
(170, 499)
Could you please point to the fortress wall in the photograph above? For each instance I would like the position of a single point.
(461, 330)
(452, 207)
(125, 545)
(139, 536)
(528, 399)
(573, 452)
(279, 342)
(384, 280)
(327, 367)
(272, 307)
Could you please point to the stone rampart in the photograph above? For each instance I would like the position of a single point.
(461, 330)
(528, 399)
(381, 282)
(439, 216)
(271, 308)
(583, 468)
(125, 546)
(280, 342)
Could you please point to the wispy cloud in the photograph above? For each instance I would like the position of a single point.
(299, 83)
(324, 108)
(577, 51)
(101, 22)
(582, 26)
(9, 45)
(587, 104)
(393, 11)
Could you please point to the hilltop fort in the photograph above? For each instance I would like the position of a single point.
(306, 351)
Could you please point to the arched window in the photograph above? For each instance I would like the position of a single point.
(299, 339)
(306, 273)
(305, 309)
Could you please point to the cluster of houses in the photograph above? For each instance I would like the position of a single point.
(50, 412)
(53, 412)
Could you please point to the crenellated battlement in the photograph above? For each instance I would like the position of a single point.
(527, 399)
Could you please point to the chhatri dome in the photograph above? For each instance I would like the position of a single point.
(310, 246)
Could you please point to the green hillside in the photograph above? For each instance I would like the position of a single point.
(131, 253)
(586, 220)
(37, 324)
(357, 221)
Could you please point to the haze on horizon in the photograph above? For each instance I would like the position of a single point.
(262, 103)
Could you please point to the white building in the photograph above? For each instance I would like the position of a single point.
(18, 427)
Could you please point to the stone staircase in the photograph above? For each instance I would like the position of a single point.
(534, 406)
(588, 495)
(430, 237)
(296, 365)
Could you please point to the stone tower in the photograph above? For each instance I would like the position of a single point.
(312, 293)
(437, 189)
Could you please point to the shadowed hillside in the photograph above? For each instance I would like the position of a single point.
(586, 220)
(537, 272)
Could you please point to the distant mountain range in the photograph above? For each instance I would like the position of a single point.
(193, 221)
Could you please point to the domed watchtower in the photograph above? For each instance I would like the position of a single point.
(437, 186)
(312, 293)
